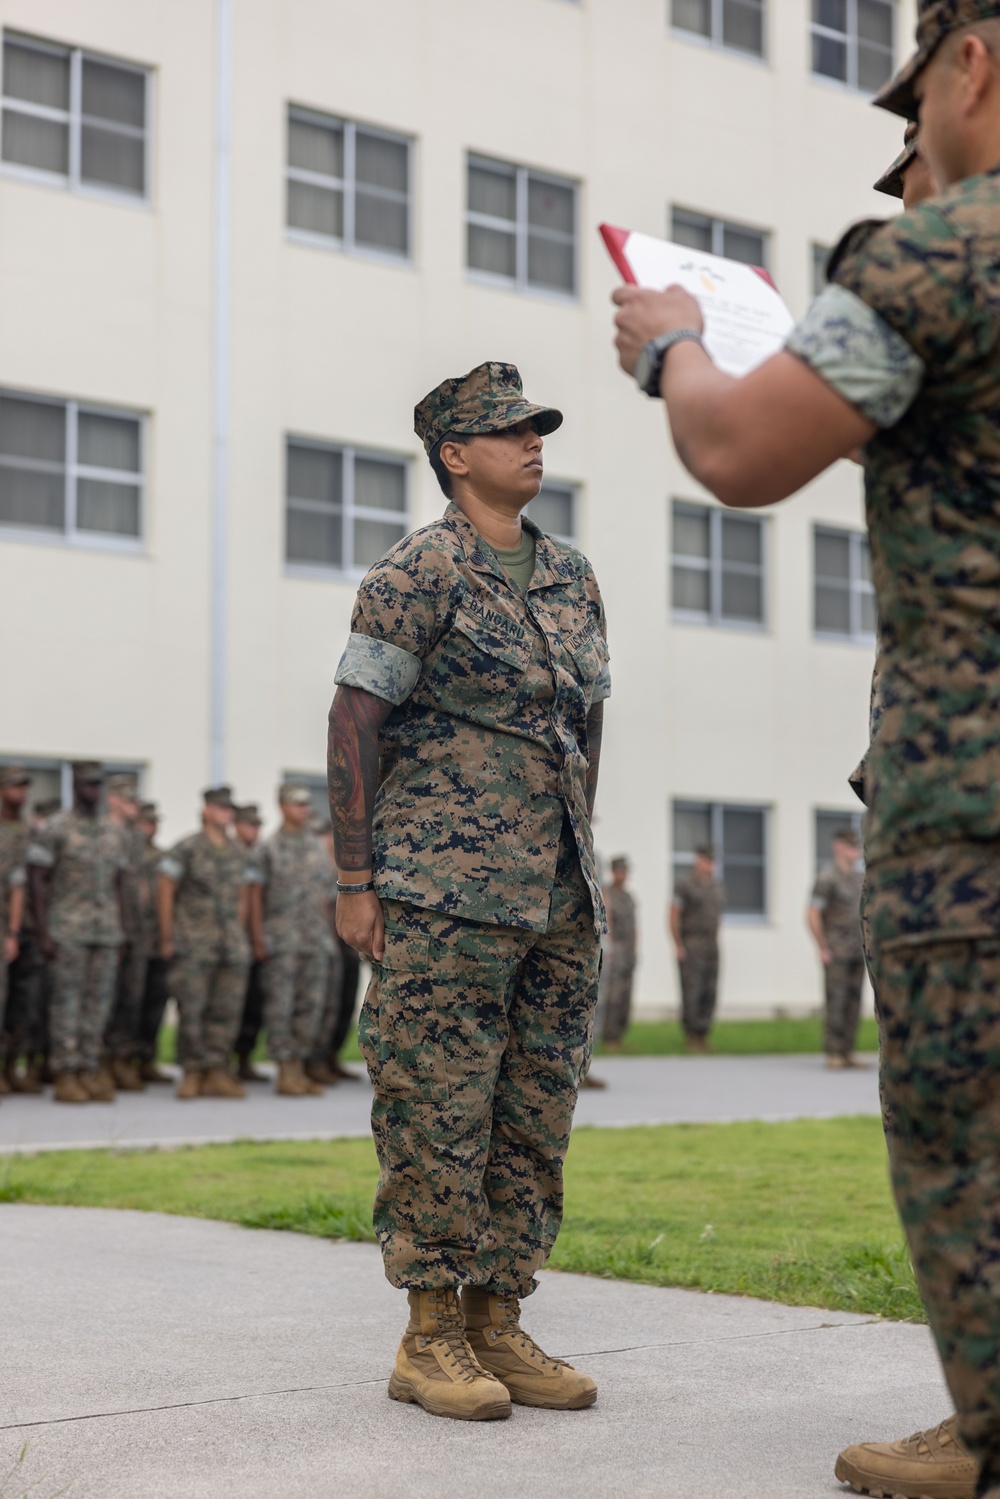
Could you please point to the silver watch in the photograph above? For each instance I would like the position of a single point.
(649, 365)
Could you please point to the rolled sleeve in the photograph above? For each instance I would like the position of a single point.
(40, 855)
(854, 350)
(378, 667)
(602, 687)
(16, 877)
(171, 867)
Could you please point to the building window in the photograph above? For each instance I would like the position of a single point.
(344, 508)
(820, 261)
(828, 823)
(844, 596)
(727, 23)
(739, 838)
(717, 566)
(554, 510)
(70, 469)
(74, 118)
(348, 185)
(718, 237)
(853, 41)
(521, 226)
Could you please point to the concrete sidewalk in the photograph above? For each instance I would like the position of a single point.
(147, 1357)
(641, 1090)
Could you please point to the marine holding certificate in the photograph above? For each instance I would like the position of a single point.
(464, 747)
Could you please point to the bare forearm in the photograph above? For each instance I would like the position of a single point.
(15, 913)
(675, 926)
(352, 775)
(814, 920)
(595, 733)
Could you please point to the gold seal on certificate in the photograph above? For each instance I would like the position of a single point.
(745, 319)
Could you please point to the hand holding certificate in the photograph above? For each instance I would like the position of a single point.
(745, 320)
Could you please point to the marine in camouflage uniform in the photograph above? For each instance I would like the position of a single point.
(835, 921)
(14, 781)
(122, 1036)
(620, 956)
(695, 913)
(246, 827)
(296, 884)
(83, 854)
(155, 988)
(203, 919)
(485, 667)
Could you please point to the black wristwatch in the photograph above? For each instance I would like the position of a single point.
(649, 365)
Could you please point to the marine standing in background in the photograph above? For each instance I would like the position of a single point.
(246, 827)
(620, 956)
(290, 909)
(13, 848)
(834, 919)
(122, 1036)
(14, 785)
(695, 913)
(203, 907)
(76, 863)
(322, 1064)
(155, 988)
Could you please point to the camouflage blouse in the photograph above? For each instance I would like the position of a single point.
(298, 885)
(486, 748)
(86, 857)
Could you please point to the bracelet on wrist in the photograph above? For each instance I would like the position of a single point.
(355, 889)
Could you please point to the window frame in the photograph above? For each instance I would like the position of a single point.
(521, 229)
(568, 487)
(714, 39)
(73, 118)
(717, 229)
(716, 811)
(851, 40)
(713, 618)
(346, 244)
(857, 586)
(71, 535)
(850, 818)
(349, 453)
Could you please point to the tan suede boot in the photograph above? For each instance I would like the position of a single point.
(190, 1084)
(127, 1076)
(435, 1367)
(500, 1344)
(99, 1085)
(216, 1083)
(929, 1465)
(69, 1089)
(27, 1081)
(292, 1082)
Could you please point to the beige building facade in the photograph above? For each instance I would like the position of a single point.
(239, 240)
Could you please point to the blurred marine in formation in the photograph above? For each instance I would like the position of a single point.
(246, 827)
(695, 913)
(620, 955)
(463, 760)
(155, 989)
(122, 1036)
(14, 783)
(834, 918)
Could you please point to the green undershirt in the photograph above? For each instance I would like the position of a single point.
(519, 565)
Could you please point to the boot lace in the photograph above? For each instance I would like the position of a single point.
(510, 1326)
(451, 1332)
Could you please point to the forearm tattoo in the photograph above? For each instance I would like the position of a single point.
(352, 773)
(595, 732)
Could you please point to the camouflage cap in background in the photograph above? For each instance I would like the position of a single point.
(218, 796)
(891, 180)
(847, 835)
(248, 812)
(294, 792)
(87, 770)
(619, 862)
(935, 20)
(47, 808)
(489, 398)
(149, 812)
(124, 784)
(14, 775)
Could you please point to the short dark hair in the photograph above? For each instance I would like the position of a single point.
(440, 472)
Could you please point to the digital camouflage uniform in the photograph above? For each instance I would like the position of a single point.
(123, 1028)
(701, 903)
(85, 857)
(910, 333)
(209, 973)
(252, 1018)
(297, 882)
(25, 1025)
(837, 896)
(155, 987)
(619, 963)
(477, 1025)
(13, 847)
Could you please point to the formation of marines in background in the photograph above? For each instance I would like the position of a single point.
(101, 927)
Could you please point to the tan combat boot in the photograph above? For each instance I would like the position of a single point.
(69, 1089)
(501, 1345)
(292, 1082)
(929, 1465)
(99, 1085)
(216, 1083)
(319, 1072)
(150, 1073)
(247, 1072)
(27, 1081)
(127, 1076)
(190, 1084)
(436, 1368)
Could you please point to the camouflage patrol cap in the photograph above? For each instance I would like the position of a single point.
(149, 812)
(619, 862)
(87, 770)
(47, 808)
(891, 180)
(124, 784)
(248, 812)
(218, 796)
(935, 20)
(847, 835)
(294, 792)
(489, 398)
(14, 775)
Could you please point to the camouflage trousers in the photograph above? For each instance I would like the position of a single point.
(333, 999)
(294, 986)
(25, 1023)
(209, 994)
(83, 991)
(938, 1004)
(616, 993)
(699, 989)
(843, 979)
(476, 1038)
(122, 1037)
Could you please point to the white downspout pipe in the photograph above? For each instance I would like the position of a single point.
(221, 395)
